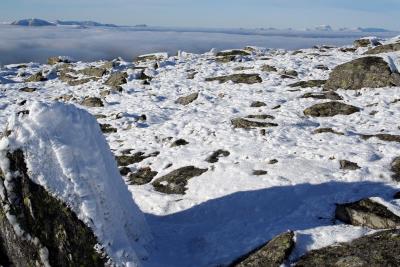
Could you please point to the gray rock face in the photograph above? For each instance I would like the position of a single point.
(259, 172)
(326, 130)
(94, 72)
(366, 72)
(272, 254)
(323, 95)
(37, 77)
(364, 42)
(107, 128)
(58, 230)
(214, 157)
(176, 181)
(367, 213)
(309, 83)
(268, 68)
(395, 168)
(117, 79)
(330, 109)
(27, 89)
(383, 49)
(236, 52)
(92, 102)
(348, 165)
(382, 137)
(371, 250)
(249, 124)
(237, 78)
(56, 60)
(292, 73)
(142, 176)
(125, 160)
(257, 104)
(186, 100)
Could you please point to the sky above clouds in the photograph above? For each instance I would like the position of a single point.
(212, 13)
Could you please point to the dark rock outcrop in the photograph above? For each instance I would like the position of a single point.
(257, 104)
(259, 172)
(56, 60)
(260, 117)
(142, 176)
(326, 130)
(365, 42)
(237, 78)
(117, 79)
(323, 95)
(92, 102)
(249, 124)
(365, 72)
(107, 128)
(395, 168)
(27, 89)
(125, 160)
(348, 165)
(93, 72)
(268, 68)
(382, 137)
(378, 249)
(214, 157)
(56, 229)
(384, 49)
(271, 254)
(175, 182)
(186, 100)
(309, 83)
(37, 77)
(330, 109)
(235, 52)
(368, 213)
(179, 142)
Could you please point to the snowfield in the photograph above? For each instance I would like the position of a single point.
(228, 210)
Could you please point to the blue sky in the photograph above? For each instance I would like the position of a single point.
(213, 13)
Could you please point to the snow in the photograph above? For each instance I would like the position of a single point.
(227, 211)
(66, 153)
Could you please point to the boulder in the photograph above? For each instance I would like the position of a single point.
(37, 77)
(326, 130)
(27, 89)
(387, 48)
(259, 172)
(56, 60)
(179, 142)
(395, 168)
(257, 104)
(268, 68)
(117, 79)
(323, 95)
(348, 165)
(309, 83)
(367, 213)
(142, 176)
(107, 128)
(214, 157)
(378, 249)
(260, 117)
(175, 182)
(272, 254)
(93, 72)
(249, 124)
(365, 42)
(330, 109)
(237, 78)
(291, 73)
(92, 102)
(235, 52)
(365, 72)
(186, 100)
(382, 137)
(125, 160)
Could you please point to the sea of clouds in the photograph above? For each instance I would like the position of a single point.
(25, 44)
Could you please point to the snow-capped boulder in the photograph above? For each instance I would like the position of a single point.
(63, 200)
(330, 109)
(365, 72)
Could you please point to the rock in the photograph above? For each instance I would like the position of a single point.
(259, 172)
(249, 124)
(268, 68)
(365, 42)
(271, 254)
(321, 67)
(179, 142)
(237, 78)
(292, 73)
(93, 72)
(175, 182)
(107, 128)
(92, 102)
(367, 213)
(348, 165)
(142, 176)
(378, 249)
(236, 52)
(326, 130)
(240, 68)
(117, 79)
(28, 89)
(56, 60)
(257, 104)
(273, 161)
(214, 157)
(225, 59)
(365, 72)
(125, 160)
(348, 49)
(397, 195)
(79, 81)
(58, 232)
(37, 77)
(395, 168)
(260, 117)
(124, 171)
(323, 95)
(191, 75)
(384, 49)
(309, 83)
(382, 137)
(283, 76)
(151, 57)
(186, 100)
(330, 109)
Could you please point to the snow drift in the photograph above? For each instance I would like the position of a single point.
(66, 153)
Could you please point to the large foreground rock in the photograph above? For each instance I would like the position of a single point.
(367, 212)
(237, 78)
(330, 109)
(175, 182)
(379, 249)
(271, 254)
(365, 72)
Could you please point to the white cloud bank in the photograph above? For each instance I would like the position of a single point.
(25, 44)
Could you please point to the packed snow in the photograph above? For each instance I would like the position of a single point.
(227, 211)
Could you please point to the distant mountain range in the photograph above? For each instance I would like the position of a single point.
(83, 24)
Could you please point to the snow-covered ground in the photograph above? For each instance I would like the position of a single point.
(227, 211)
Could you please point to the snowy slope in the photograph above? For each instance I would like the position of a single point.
(66, 153)
(227, 211)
